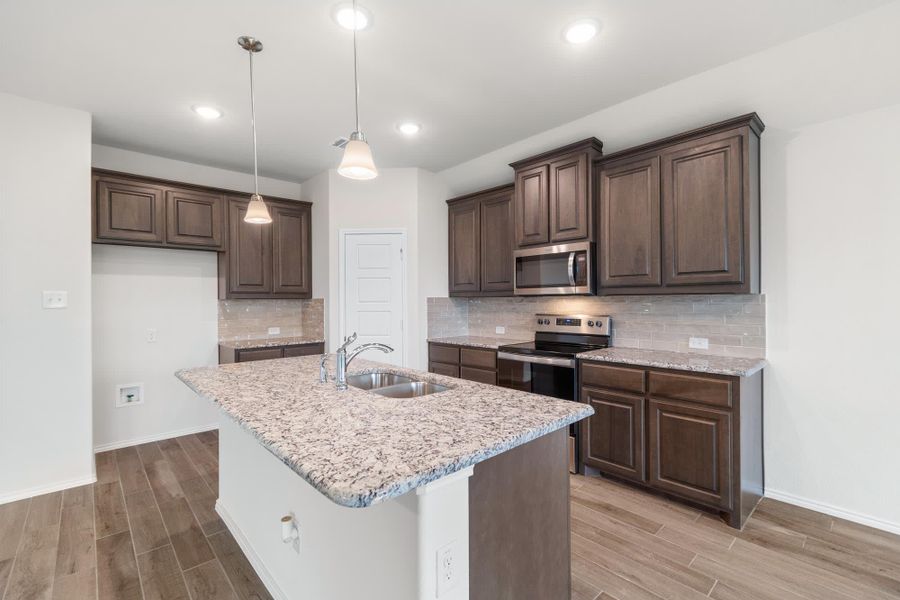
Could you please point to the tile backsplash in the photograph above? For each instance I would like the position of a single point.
(249, 319)
(735, 325)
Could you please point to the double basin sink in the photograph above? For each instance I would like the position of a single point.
(392, 385)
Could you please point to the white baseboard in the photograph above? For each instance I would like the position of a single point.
(153, 438)
(47, 489)
(834, 511)
(255, 561)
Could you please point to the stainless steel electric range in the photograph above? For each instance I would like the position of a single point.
(547, 365)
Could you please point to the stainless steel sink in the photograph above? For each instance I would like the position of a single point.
(371, 381)
(411, 389)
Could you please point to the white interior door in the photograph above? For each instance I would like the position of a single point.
(374, 291)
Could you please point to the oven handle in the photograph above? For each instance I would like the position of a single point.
(572, 269)
(538, 360)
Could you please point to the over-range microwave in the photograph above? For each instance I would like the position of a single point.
(563, 269)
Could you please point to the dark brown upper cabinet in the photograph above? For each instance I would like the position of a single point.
(128, 210)
(267, 261)
(481, 231)
(137, 211)
(629, 229)
(554, 195)
(681, 215)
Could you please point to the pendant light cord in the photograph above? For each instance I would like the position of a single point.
(253, 127)
(355, 73)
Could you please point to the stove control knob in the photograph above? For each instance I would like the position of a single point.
(546, 321)
(540, 321)
(590, 323)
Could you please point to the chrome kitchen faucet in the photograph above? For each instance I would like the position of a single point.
(343, 360)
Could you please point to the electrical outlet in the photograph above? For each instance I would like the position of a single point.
(448, 568)
(151, 335)
(500, 329)
(698, 343)
(55, 299)
(274, 330)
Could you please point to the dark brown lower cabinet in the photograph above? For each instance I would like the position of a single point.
(692, 436)
(472, 364)
(235, 355)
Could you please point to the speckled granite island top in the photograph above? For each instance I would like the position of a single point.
(474, 341)
(270, 342)
(683, 361)
(359, 448)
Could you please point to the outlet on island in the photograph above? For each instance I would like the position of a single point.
(448, 569)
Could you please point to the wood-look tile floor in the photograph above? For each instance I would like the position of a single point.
(627, 545)
(147, 530)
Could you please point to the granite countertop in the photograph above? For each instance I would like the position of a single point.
(476, 341)
(684, 361)
(359, 448)
(268, 342)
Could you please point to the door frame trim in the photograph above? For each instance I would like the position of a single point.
(343, 235)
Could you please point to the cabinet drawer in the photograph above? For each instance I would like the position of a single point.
(480, 359)
(479, 375)
(259, 354)
(691, 388)
(444, 369)
(444, 354)
(304, 350)
(614, 378)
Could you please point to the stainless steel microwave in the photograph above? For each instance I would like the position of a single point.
(564, 269)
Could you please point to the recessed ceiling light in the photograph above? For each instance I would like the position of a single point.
(581, 31)
(206, 111)
(409, 128)
(350, 18)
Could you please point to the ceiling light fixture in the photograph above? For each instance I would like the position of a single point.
(409, 128)
(207, 112)
(581, 31)
(257, 212)
(357, 162)
(349, 16)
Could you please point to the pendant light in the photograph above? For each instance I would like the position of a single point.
(357, 162)
(257, 212)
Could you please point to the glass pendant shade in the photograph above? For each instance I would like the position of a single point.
(257, 211)
(357, 162)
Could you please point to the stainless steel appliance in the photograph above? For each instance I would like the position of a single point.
(555, 270)
(547, 365)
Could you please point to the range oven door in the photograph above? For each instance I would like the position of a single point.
(548, 376)
(564, 269)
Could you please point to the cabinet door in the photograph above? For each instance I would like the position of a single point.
(569, 201)
(479, 375)
(614, 434)
(532, 206)
(195, 218)
(690, 451)
(497, 226)
(249, 252)
(292, 249)
(128, 210)
(630, 223)
(702, 194)
(443, 369)
(465, 251)
(303, 350)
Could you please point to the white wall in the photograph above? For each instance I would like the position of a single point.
(432, 252)
(830, 193)
(45, 244)
(175, 293)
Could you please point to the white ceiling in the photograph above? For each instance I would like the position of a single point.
(477, 74)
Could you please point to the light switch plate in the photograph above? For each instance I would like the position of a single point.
(698, 343)
(55, 299)
(151, 336)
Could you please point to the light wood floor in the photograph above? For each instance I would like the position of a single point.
(148, 530)
(628, 545)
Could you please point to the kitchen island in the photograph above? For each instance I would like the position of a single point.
(453, 495)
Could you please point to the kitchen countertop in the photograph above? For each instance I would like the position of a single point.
(476, 341)
(359, 448)
(683, 361)
(269, 342)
